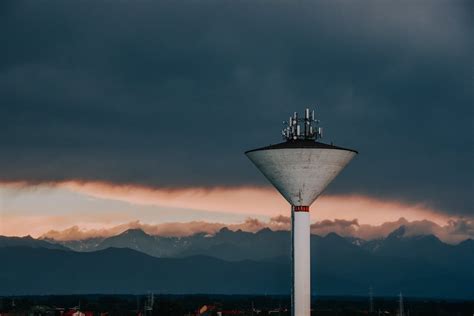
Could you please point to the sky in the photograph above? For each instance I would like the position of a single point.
(118, 111)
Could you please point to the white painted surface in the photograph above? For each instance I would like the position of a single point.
(301, 293)
(301, 174)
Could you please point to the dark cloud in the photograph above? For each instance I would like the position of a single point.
(171, 94)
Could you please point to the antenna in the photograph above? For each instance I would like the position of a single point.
(371, 300)
(309, 131)
(400, 307)
(149, 304)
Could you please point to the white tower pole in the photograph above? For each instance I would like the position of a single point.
(301, 261)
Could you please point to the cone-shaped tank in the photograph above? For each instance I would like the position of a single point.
(301, 169)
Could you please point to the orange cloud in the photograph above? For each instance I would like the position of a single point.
(453, 232)
(260, 201)
(245, 201)
(36, 225)
(172, 229)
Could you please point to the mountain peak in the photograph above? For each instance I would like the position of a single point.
(224, 230)
(397, 233)
(430, 237)
(265, 230)
(333, 236)
(134, 232)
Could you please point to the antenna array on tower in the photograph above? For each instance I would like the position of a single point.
(302, 128)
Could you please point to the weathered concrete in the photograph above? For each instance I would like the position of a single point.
(301, 174)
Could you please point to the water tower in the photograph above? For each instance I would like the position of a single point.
(300, 168)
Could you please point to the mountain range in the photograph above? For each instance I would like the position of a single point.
(236, 263)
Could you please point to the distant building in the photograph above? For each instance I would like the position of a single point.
(212, 310)
(207, 310)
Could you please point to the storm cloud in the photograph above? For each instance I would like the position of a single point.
(170, 94)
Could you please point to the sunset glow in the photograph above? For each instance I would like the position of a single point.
(230, 206)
